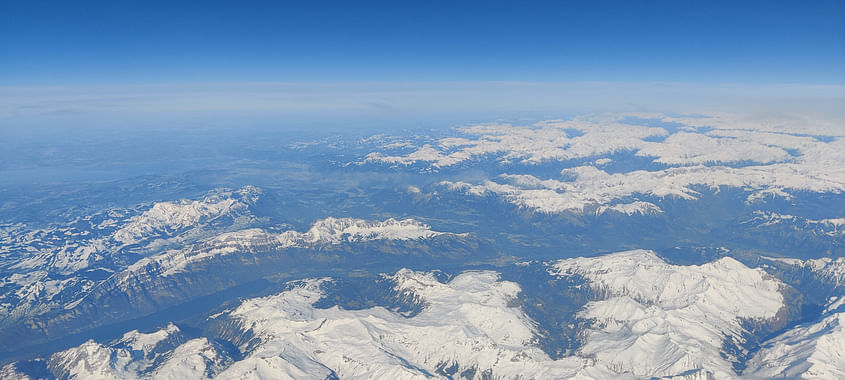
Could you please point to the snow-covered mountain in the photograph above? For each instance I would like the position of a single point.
(503, 232)
(82, 243)
(161, 354)
(647, 319)
(221, 262)
(675, 159)
(118, 265)
(810, 351)
(655, 319)
(325, 232)
(467, 329)
(818, 280)
(45, 269)
(829, 227)
(820, 237)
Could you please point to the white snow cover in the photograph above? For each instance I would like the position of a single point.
(544, 141)
(690, 148)
(175, 216)
(162, 222)
(810, 351)
(831, 269)
(828, 269)
(638, 207)
(337, 230)
(660, 319)
(45, 257)
(764, 159)
(717, 139)
(194, 359)
(146, 342)
(93, 360)
(652, 319)
(828, 226)
(585, 186)
(329, 231)
(332, 231)
(466, 322)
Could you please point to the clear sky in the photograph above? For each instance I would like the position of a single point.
(113, 41)
(80, 44)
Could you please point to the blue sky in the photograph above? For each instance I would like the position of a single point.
(106, 49)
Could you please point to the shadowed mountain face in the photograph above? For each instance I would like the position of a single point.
(596, 247)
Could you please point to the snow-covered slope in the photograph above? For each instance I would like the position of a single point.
(810, 351)
(168, 218)
(758, 159)
(545, 141)
(647, 318)
(719, 139)
(211, 265)
(465, 328)
(128, 357)
(325, 232)
(195, 359)
(469, 327)
(47, 268)
(162, 354)
(162, 224)
(658, 319)
(829, 226)
(828, 270)
(585, 186)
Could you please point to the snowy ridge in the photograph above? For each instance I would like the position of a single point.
(829, 226)
(128, 358)
(337, 230)
(693, 148)
(587, 186)
(793, 130)
(466, 327)
(757, 158)
(832, 270)
(161, 222)
(45, 258)
(333, 231)
(718, 139)
(810, 351)
(329, 231)
(638, 207)
(166, 217)
(34, 293)
(828, 269)
(544, 141)
(137, 341)
(195, 359)
(135, 356)
(658, 319)
(652, 319)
